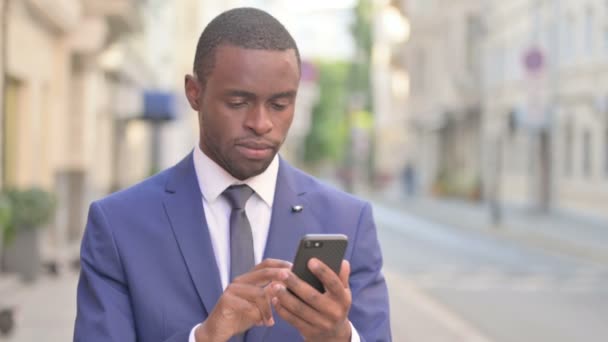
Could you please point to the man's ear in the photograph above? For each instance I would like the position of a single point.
(193, 91)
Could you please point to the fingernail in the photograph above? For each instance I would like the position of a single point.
(313, 263)
(270, 322)
(275, 301)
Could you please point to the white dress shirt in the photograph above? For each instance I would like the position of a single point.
(213, 180)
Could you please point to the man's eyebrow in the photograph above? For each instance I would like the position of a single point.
(288, 94)
(240, 93)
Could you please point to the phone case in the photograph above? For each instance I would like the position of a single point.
(330, 251)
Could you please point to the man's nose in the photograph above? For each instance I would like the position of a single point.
(258, 120)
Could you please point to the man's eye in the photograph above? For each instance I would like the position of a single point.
(278, 106)
(236, 105)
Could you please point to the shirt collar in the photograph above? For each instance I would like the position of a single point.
(213, 179)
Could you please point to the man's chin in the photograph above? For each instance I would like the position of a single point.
(250, 168)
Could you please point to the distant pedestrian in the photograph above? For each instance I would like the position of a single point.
(409, 179)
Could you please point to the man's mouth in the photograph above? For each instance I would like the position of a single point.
(255, 151)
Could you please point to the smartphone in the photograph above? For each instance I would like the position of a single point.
(329, 248)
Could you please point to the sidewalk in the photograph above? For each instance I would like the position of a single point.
(417, 316)
(46, 309)
(557, 233)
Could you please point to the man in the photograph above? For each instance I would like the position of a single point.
(200, 251)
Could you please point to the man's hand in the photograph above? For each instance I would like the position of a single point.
(317, 316)
(244, 303)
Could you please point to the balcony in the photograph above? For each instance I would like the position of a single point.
(61, 15)
(123, 16)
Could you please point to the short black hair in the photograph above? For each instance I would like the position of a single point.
(245, 27)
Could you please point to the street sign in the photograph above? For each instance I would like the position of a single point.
(533, 60)
(534, 114)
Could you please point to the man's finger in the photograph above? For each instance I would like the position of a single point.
(257, 297)
(263, 276)
(238, 309)
(297, 307)
(273, 263)
(328, 277)
(345, 273)
(262, 301)
(302, 289)
(290, 318)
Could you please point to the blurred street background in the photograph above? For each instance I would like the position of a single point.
(477, 128)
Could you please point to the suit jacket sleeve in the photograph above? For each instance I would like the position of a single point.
(369, 312)
(103, 309)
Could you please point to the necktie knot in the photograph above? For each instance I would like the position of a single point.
(237, 195)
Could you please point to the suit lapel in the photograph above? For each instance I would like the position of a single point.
(286, 227)
(183, 204)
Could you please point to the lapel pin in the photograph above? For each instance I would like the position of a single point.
(297, 208)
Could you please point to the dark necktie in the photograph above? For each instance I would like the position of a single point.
(242, 259)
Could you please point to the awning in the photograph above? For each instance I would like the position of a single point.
(159, 106)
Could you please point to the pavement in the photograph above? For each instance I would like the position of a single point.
(417, 316)
(561, 233)
(45, 309)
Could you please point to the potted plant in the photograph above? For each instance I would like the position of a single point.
(5, 216)
(30, 210)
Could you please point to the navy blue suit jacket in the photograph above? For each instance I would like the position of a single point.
(149, 272)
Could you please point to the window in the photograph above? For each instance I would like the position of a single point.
(418, 72)
(606, 150)
(13, 93)
(513, 62)
(589, 33)
(569, 43)
(568, 148)
(605, 27)
(498, 65)
(587, 153)
(473, 34)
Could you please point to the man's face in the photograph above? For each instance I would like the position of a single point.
(245, 107)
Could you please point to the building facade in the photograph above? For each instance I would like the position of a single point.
(390, 80)
(2, 68)
(60, 115)
(443, 57)
(545, 104)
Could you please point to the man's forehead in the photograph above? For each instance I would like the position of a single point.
(238, 62)
(230, 48)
